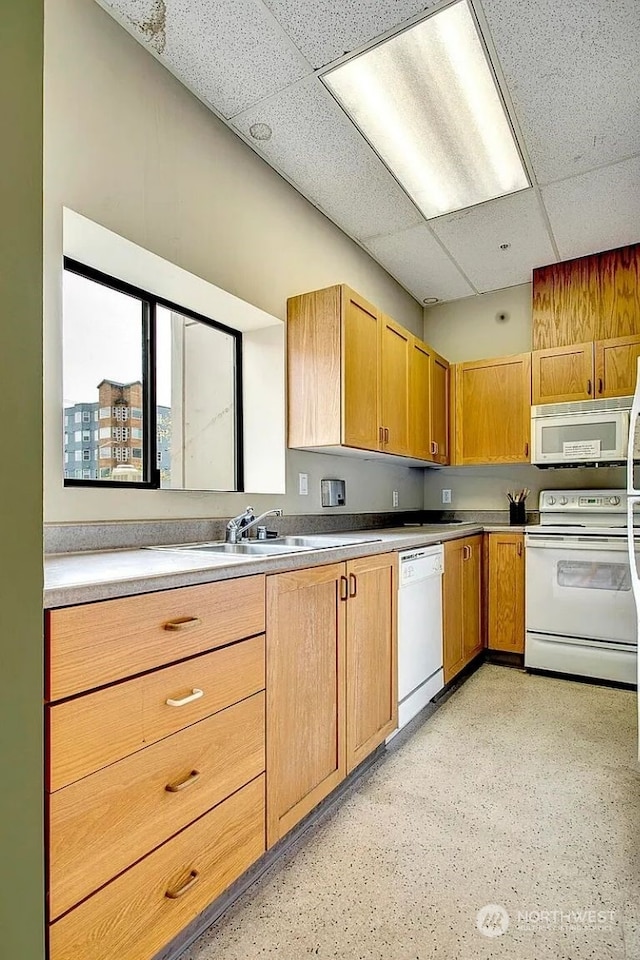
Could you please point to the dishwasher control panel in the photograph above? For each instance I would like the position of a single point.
(421, 564)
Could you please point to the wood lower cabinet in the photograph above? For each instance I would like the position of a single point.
(133, 917)
(506, 600)
(616, 366)
(563, 374)
(371, 655)
(461, 598)
(155, 782)
(306, 627)
(331, 680)
(492, 421)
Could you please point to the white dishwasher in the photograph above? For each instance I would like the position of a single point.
(420, 675)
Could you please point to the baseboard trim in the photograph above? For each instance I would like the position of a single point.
(505, 658)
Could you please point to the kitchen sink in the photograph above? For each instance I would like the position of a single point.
(277, 547)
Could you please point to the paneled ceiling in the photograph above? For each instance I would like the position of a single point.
(569, 74)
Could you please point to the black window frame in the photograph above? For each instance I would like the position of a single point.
(150, 303)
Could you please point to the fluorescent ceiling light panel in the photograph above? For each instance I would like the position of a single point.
(428, 103)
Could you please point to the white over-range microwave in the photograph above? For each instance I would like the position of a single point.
(578, 434)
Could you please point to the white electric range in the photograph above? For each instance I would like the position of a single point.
(580, 612)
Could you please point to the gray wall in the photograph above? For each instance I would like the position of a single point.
(21, 876)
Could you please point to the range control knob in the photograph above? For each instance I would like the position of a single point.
(551, 501)
(614, 501)
(564, 501)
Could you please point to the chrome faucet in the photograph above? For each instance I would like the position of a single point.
(240, 525)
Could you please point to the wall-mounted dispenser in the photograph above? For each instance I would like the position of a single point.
(333, 493)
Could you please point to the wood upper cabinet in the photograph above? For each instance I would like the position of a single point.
(420, 412)
(429, 404)
(616, 366)
(371, 658)
(562, 374)
(306, 622)
(506, 579)
(361, 372)
(492, 421)
(590, 298)
(439, 409)
(461, 598)
(359, 380)
(395, 357)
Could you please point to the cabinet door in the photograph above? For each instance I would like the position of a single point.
(305, 692)
(563, 374)
(506, 592)
(452, 613)
(471, 597)
(566, 303)
(620, 285)
(617, 366)
(439, 409)
(493, 410)
(360, 372)
(420, 400)
(371, 657)
(394, 384)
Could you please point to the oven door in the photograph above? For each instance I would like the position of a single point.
(575, 438)
(580, 586)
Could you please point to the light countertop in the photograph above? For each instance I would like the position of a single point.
(74, 578)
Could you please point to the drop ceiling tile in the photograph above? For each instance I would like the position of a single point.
(327, 29)
(320, 150)
(232, 53)
(596, 211)
(473, 237)
(418, 261)
(572, 71)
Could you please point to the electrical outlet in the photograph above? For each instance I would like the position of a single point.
(395, 499)
(446, 496)
(303, 484)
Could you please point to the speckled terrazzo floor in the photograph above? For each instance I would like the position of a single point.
(520, 791)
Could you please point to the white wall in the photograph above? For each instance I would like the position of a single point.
(472, 329)
(127, 146)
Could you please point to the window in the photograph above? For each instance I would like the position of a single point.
(156, 374)
(77, 455)
(86, 436)
(86, 473)
(86, 454)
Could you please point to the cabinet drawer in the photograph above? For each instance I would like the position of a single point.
(90, 732)
(138, 803)
(98, 643)
(140, 911)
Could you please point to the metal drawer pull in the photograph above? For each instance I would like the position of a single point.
(194, 695)
(434, 447)
(353, 585)
(182, 623)
(344, 588)
(589, 387)
(600, 385)
(381, 434)
(386, 434)
(519, 549)
(194, 876)
(183, 784)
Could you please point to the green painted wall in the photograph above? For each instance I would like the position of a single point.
(21, 846)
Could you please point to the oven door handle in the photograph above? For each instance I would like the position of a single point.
(576, 543)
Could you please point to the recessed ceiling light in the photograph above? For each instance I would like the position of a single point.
(429, 301)
(261, 131)
(428, 103)
(505, 246)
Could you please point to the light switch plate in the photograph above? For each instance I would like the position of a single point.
(446, 496)
(303, 484)
(395, 499)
